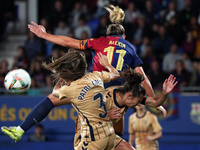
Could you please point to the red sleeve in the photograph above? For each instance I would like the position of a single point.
(90, 43)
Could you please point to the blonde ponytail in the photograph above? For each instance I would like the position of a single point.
(116, 14)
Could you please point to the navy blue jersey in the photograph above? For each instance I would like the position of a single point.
(120, 52)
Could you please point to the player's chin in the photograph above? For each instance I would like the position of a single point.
(131, 106)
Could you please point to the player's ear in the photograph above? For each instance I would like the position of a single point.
(129, 95)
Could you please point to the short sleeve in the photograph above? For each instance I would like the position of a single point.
(155, 124)
(67, 91)
(130, 125)
(63, 92)
(104, 75)
(88, 44)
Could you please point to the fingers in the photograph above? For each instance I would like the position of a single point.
(174, 80)
(117, 110)
(42, 28)
(100, 55)
(175, 83)
(116, 116)
(32, 28)
(165, 81)
(170, 78)
(35, 24)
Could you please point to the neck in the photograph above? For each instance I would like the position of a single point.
(141, 112)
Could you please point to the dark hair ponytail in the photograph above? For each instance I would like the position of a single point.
(131, 77)
(132, 83)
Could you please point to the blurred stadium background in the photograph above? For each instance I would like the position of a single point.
(166, 34)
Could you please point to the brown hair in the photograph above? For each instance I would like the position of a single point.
(71, 66)
(116, 17)
(132, 83)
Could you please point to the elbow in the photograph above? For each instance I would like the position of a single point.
(55, 94)
(154, 103)
(157, 104)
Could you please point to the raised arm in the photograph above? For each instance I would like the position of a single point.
(168, 86)
(103, 60)
(149, 90)
(65, 41)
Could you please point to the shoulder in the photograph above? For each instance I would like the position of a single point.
(132, 116)
(94, 73)
(129, 47)
(151, 115)
(101, 38)
(111, 88)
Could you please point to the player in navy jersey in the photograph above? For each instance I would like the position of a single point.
(119, 51)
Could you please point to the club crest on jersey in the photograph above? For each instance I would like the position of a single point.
(97, 82)
(195, 113)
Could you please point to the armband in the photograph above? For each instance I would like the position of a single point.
(144, 100)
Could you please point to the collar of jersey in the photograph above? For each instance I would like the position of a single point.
(142, 115)
(120, 36)
(115, 100)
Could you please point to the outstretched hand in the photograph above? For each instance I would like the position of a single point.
(38, 30)
(103, 60)
(169, 84)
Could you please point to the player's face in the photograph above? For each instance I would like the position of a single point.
(133, 101)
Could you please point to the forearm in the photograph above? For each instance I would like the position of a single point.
(61, 40)
(114, 74)
(157, 100)
(156, 136)
(148, 88)
(146, 83)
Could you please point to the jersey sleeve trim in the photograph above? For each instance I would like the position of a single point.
(82, 44)
(115, 100)
(144, 100)
(139, 63)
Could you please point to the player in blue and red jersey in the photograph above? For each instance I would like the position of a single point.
(120, 52)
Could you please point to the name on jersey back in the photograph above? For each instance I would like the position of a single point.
(86, 88)
(117, 43)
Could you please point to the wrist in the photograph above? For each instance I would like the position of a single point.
(164, 92)
(44, 35)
